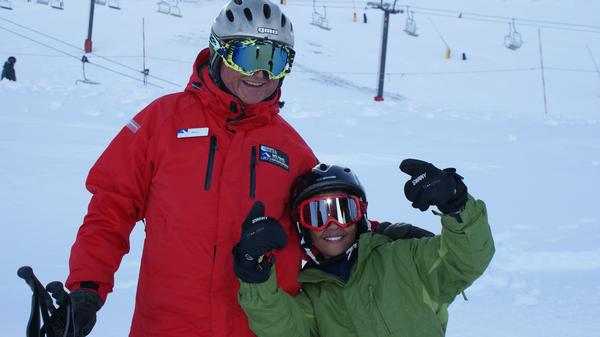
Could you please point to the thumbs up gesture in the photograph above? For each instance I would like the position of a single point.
(260, 235)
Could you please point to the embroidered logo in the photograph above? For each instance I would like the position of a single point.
(274, 156)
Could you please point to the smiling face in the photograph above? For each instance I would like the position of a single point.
(334, 240)
(249, 89)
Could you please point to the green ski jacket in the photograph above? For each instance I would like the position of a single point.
(396, 288)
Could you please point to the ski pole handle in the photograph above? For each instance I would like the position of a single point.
(26, 273)
(56, 289)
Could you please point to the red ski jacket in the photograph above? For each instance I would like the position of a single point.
(191, 164)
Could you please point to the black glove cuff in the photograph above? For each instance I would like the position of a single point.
(85, 298)
(457, 203)
(253, 273)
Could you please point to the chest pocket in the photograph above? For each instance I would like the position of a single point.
(270, 178)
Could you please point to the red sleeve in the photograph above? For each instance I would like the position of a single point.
(119, 182)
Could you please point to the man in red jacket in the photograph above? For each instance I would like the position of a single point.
(191, 164)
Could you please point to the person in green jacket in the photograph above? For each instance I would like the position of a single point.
(357, 282)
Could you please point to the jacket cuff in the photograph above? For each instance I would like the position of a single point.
(260, 289)
(473, 210)
(102, 290)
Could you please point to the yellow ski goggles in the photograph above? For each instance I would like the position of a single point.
(248, 56)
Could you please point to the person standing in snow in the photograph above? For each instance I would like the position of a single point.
(189, 165)
(8, 71)
(358, 283)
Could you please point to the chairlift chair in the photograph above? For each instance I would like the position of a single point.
(43, 2)
(101, 2)
(164, 7)
(114, 4)
(411, 25)
(320, 21)
(85, 80)
(57, 4)
(513, 40)
(175, 10)
(5, 4)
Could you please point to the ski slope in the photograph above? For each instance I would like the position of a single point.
(538, 172)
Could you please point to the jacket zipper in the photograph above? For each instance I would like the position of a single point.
(211, 159)
(387, 328)
(252, 172)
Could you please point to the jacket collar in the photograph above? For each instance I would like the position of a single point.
(226, 107)
(366, 244)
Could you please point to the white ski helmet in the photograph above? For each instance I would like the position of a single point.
(259, 19)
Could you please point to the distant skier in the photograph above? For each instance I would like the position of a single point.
(8, 71)
(364, 17)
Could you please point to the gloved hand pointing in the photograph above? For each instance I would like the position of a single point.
(430, 186)
(260, 235)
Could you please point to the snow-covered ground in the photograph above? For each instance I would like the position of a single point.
(538, 173)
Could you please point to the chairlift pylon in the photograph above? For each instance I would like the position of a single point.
(164, 7)
(411, 25)
(513, 40)
(57, 4)
(318, 19)
(175, 10)
(85, 80)
(114, 4)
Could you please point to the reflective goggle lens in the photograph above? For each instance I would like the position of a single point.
(250, 55)
(261, 56)
(316, 213)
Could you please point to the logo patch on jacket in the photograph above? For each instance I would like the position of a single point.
(274, 156)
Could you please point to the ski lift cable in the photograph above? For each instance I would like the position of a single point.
(487, 18)
(81, 50)
(455, 13)
(75, 56)
(504, 22)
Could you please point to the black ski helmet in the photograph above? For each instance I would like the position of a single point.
(323, 178)
(12, 59)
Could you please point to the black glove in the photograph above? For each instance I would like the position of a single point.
(260, 235)
(84, 304)
(430, 186)
(401, 230)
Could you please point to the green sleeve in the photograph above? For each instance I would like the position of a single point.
(273, 312)
(449, 263)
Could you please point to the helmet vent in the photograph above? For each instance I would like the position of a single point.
(237, 2)
(248, 13)
(283, 20)
(229, 15)
(346, 170)
(267, 11)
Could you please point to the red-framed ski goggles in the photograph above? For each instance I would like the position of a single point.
(342, 209)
